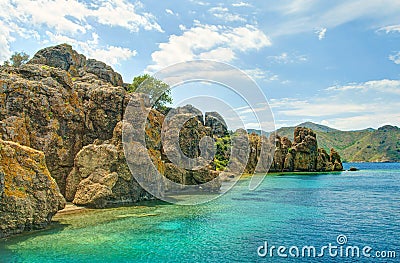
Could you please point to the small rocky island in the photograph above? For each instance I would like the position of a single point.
(61, 140)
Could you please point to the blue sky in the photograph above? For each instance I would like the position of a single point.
(331, 62)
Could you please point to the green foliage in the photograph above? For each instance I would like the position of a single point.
(17, 59)
(222, 153)
(159, 92)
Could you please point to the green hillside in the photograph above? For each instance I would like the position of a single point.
(369, 145)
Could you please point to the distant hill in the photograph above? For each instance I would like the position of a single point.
(369, 145)
(249, 131)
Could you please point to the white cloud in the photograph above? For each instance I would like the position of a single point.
(286, 58)
(71, 16)
(241, 4)
(385, 85)
(224, 14)
(169, 11)
(389, 29)
(200, 3)
(352, 106)
(208, 42)
(5, 39)
(310, 109)
(261, 74)
(123, 13)
(395, 57)
(219, 54)
(111, 55)
(298, 6)
(71, 19)
(363, 121)
(306, 15)
(60, 15)
(321, 33)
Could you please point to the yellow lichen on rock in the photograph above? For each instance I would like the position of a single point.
(29, 196)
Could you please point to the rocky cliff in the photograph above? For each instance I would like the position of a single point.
(72, 108)
(58, 103)
(29, 196)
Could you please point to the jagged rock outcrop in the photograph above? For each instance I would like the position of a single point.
(306, 149)
(65, 58)
(182, 132)
(54, 104)
(101, 176)
(259, 158)
(303, 154)
(29, 196)
(335, 160)
(323, 161)
(68, 107)
(279, 154)
(187, 143)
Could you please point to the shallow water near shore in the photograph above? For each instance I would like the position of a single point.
(286, 210)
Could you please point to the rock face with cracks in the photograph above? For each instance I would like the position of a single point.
(71, 109)
(29, 196)
(301, 155)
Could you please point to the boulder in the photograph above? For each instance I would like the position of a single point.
(65, 58)
(101, 176)
(29, 196)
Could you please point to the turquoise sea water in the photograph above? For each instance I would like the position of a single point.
(287, 210)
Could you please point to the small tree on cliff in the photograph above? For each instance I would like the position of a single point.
(157, 90)
(17, 59)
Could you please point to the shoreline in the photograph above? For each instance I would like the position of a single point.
(71, 208)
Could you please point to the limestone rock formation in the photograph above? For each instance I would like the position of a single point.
(303, 154)
(58, 103)
(335, 160)
(306, 148)
(101, 176)
(259, 158)
(29, 196)
(69, 107)
(187, 143)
